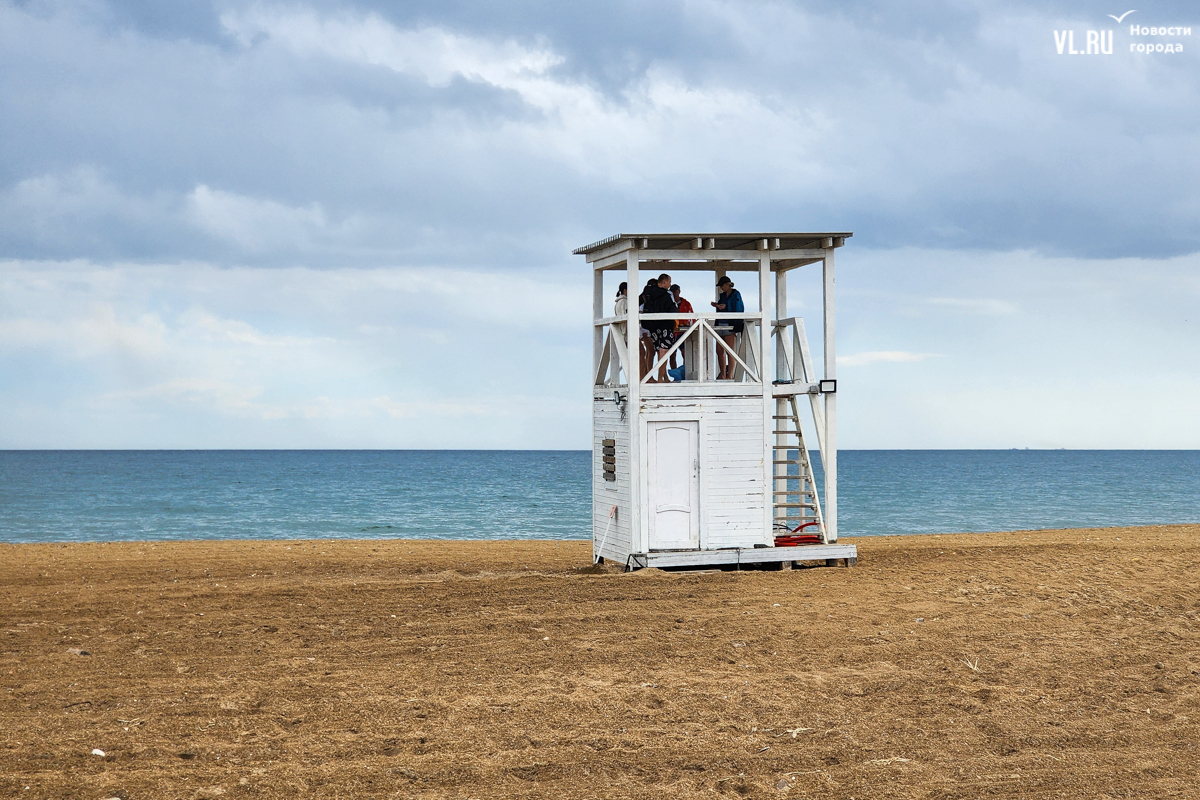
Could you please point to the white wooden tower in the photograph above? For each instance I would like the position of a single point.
(702, 471)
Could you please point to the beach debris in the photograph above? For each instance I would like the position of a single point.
(98, 752)
(972, 665)
(75, 651)
(883, 762)
(920, 619)
(796, 731)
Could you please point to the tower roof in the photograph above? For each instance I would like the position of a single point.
(718, 241)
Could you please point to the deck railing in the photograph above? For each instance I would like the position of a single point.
(698, 343)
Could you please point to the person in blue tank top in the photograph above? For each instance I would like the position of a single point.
(729, 301)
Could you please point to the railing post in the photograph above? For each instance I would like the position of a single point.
(765, 371)
(597, 314)
(829, 446)
(637, 514)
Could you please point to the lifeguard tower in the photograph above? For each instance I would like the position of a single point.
(700, 471)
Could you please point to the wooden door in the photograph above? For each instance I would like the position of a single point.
(673, 484)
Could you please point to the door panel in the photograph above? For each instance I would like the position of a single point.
(673, 484)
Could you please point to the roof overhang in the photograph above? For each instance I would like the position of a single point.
(731, 251)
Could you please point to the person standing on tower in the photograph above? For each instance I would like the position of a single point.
(658, 300)
(730, 302)
(684, 307)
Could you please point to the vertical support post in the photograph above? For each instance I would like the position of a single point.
(829, 450)
(633, 407)
(597, 347)
(711, 353)
(780, 485)
(597, 313)
(781, 342)
(766, 372)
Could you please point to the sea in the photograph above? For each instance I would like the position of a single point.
(142, 495)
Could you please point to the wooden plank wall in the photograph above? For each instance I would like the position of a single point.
(613, 532)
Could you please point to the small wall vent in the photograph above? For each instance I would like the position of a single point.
(609, 453)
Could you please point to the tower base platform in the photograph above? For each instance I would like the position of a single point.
(736, 556)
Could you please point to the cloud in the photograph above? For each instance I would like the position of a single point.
(254, 225)
(346, 218)
(289, 134)
(437, 55)
(974, 305)
(882, 356)
(98, 330)
(240, 357)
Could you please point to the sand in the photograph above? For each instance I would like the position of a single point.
(1023, 665)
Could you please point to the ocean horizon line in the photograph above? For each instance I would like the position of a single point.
(567, 449)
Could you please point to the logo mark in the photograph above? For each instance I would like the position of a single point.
(1123, 16)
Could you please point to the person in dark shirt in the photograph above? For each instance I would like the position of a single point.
(645, 343)
(657, 300)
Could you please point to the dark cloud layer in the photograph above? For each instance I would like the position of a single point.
(418, 132)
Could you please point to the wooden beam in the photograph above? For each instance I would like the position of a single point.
(601, 368)
(751, 555)
(702, 315)
(619, 246)
(796, 388)
(749, 254)
(622, 357)
(766, 373)
(597, 312)
(699, 389)
(829, 447)
(788, 264)
(637, 515)
(695, 326)
(721, 343)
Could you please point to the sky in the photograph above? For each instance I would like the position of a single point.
(350, 225)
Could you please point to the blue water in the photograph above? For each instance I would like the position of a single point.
(144, 495)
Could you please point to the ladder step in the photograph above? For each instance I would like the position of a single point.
(788, 417)
(794, 505)
(791, 432)
(785, 492)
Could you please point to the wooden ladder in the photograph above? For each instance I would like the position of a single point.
(795, 506)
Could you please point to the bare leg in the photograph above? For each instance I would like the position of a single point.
(728, 365)
(662, 365)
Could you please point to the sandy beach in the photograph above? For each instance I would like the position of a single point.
(1030, 665)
